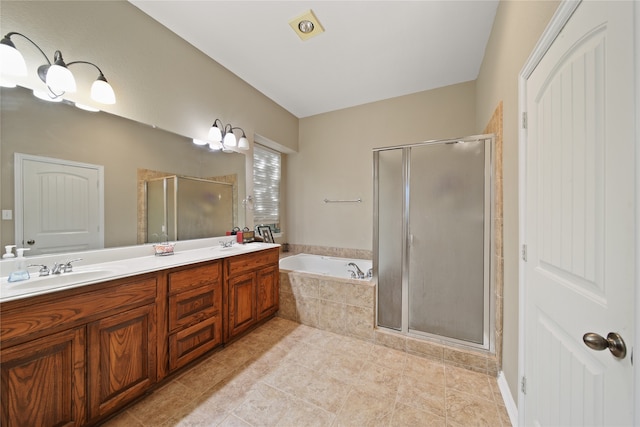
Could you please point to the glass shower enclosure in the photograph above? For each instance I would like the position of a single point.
(433, 239)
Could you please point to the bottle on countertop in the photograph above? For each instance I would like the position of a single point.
(8, 252)
(20, 271)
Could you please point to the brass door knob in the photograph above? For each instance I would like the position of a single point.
(613, 342)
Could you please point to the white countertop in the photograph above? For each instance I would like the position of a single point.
(108, 264)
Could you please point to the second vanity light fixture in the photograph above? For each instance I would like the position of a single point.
(222, 137)
(56, 75)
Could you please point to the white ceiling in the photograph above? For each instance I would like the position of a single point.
(370, 50)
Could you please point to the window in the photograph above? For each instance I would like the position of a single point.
(266, 187)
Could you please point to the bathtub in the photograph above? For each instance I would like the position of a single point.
(318, 291)
(325, 265)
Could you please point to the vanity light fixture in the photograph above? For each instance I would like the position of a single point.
(222, 137)
(56, 75)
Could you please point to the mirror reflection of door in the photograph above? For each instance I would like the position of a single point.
(59, 205)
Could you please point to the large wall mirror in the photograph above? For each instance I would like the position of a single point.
(130, 153)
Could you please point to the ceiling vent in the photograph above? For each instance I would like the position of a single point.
(306, 25)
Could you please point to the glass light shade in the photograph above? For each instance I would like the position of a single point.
(45, 96)
(86, 107)
(11, 60)
(230, 139)
(215, 146)
(101, 91)
(243, 144)
(200, 141)
(60, 79)
(4, 82)
(215, 134)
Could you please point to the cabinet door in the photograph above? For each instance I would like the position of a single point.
(122, 358)
(242, 303)
(43, 381)
(268, 288)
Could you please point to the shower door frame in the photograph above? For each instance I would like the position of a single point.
(489, 322)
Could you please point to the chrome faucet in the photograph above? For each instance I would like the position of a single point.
(358, 272)
(63, 267)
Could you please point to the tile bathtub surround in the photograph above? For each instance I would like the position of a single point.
(288, 374)
(330, 251)
(343, 306)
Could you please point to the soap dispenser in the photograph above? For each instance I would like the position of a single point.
(8, 252)
(20, 271)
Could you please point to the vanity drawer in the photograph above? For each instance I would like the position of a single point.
(252, 261)
(194, 341)
(194, 305)
(192, 277)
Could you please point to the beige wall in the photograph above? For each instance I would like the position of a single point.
(517, 27)
(335, 160)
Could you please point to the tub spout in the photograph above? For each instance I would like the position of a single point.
(359, 272)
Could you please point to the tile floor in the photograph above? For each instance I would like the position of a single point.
(287, 374)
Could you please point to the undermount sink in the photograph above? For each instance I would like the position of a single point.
(57, 280)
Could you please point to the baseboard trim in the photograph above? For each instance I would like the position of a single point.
(509, 403)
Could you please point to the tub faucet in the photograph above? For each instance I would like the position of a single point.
(359, 272)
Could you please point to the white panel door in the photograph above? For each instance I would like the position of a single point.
(579, 221)
(62, 205)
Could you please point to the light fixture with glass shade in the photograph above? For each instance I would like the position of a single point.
(222, 137)
(56, 75)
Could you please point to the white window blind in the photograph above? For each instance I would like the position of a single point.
(266, 185)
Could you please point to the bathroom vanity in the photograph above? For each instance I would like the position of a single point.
(79, 354)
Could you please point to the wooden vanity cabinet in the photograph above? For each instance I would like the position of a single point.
(251, 290)
(195, 312)
(75, 356)
(122, 358)
(43, 381)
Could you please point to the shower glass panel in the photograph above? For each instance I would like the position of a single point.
(389, 222)
(447, 240)
(432, 239)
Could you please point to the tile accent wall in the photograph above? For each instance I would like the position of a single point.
(495, 127)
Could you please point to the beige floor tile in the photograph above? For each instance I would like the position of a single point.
(465, 409)
(197, 418)
(385, 356)
(290, 375)
(428, 370)
(233, 421)
(408, 416)
(465, 380)
(124, 419)
(167, 402)
(424, 395)
(379, 380)
(363, 409)
(303, 414)
(264, 406)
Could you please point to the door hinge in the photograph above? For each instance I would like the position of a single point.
(523, 385)
(524, 253)
(524, 120)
